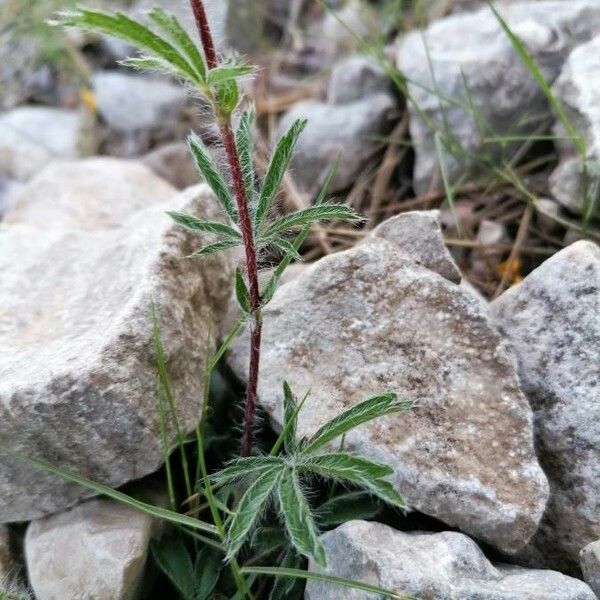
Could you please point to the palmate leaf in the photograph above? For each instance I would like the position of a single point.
(306, 216)
(209, 171)
(299, 522)
(244, 145)
(121, 26)
(191, 222)
(249, 509)
(248, 466)
(279, 163)
(370, 409)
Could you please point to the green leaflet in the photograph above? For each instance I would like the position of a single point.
(244, 145)
(245, 467)
(191, 222)
(172, 557)
(241, 292)
(298, 520)
(216, 247)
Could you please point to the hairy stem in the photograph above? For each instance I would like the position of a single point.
(245, 223)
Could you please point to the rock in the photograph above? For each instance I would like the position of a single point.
(174, 163)
(95, 193)
(552, 320)
(5, 559)
(106, 544)
(32, 136)
(486, 258)
(77, 365)
(374, 318)
(471, 51)
(8, 191)
(446, 565)
(349, 128)
(136, 107)
(577, 90)
(547, 213)
(356, 77)
(590, 566)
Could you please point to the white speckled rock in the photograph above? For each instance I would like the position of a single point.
(431, 566)
(375, 318)
(32, 136)
(96, 551)
(472, 47)
(553, 321)
(77, 365)
(95, 193)
(589, 559)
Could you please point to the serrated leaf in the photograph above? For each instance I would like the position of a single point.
(211, 175)
(123, 27)
(241, 292)
(290, 418)
(249, 509)
(297, 518)
(174, 560)
(248, 466)
(172, 27)
(350, 506)
(244, 145)
(228, 72)
(279, 163)
(195, 224)
(216, 247)
(370, 409)
(306, 216)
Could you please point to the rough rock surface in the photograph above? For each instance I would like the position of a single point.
(95, 193)
(355, 78)
(96, 550)
(32, 136)
(553, 321)
(590, 565)
(446, 565)
(374, 318)
(348, 128)
(578, 90)
(77, 366)
(472, 48)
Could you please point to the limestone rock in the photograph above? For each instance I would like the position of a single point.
(468, 58)
(348, 128)
(77, 365)
(590, 566)
(356, 77)
(446, 565)
(32, 136)
(95, 193)
(374, 318)
(96, 550)
(552, 320)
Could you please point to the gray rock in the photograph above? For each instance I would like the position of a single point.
(96, 550)
(32, 136)
(445, 565)
(553, 321)
(174, 163)
(577, 88)
(8, 191)
(77, 365)
(95, 193)
(547, 213)
(472, 48)
(373, 318)
(354, 78)
(5, 557)
(589, 560)
(349, 128)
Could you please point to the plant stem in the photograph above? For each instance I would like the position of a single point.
(245, 222)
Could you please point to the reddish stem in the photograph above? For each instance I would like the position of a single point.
(245, 223)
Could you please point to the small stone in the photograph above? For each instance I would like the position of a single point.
(96, 550)
(552, 320)
(92, 194)
(356, 77)
(381, 318)
(350, 129)
(486, 259)
(174, 163)
(565, 184)
(445, 565)
(590, 566)
(32, 136)
(547, 213)
(77, 362)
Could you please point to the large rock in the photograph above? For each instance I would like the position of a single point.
(431, 566)
(578, 89)
(350, 129)
(356, 77)
(467, 58)
(552, 320)
(383, 316)
(590, 565)
(32, 136)
(77, 365)
(96, 550)
(96, 193)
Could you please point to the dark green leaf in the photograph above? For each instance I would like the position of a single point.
(227, 96)
(286, 588)
(207, 572)
(346, 507)
(202, 225)
(279, 163)
(298, 520)
(174, 560)
(241, 292)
